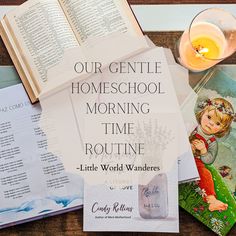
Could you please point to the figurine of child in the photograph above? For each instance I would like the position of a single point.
(214, 121)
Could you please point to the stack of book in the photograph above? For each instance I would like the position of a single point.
(139, 105)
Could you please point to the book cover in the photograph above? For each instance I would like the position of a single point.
(212, 134)
(124, 193)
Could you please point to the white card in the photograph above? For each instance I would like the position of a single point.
(148, 201)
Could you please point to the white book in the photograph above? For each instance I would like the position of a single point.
(149, 201)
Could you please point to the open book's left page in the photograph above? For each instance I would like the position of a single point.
(39, 33)
(33, 180)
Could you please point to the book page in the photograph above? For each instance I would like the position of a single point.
(96, 18)
(33, 180)
(42, 33)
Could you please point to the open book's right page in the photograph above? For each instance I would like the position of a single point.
(96, 18)
(212, 134)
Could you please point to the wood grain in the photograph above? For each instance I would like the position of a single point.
(70, 224)
(180, 1)
(169, 39)
(162, 39)
(18, 2)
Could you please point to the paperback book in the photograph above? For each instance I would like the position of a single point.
(141, 192)
(212, 129)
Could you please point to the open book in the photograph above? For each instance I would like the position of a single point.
(38, 32)
(34, 182)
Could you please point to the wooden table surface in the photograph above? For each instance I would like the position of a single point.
(72, 223)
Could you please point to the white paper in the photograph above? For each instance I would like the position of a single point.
(109, 208)
(33, 180)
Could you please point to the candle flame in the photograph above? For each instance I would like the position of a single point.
(200, 52)
(203, 50)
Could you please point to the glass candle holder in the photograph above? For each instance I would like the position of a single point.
(210, 38)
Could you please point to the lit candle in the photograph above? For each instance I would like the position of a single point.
(203, 47)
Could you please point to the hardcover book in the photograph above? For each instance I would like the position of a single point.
(212, 134)
(38, 32)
